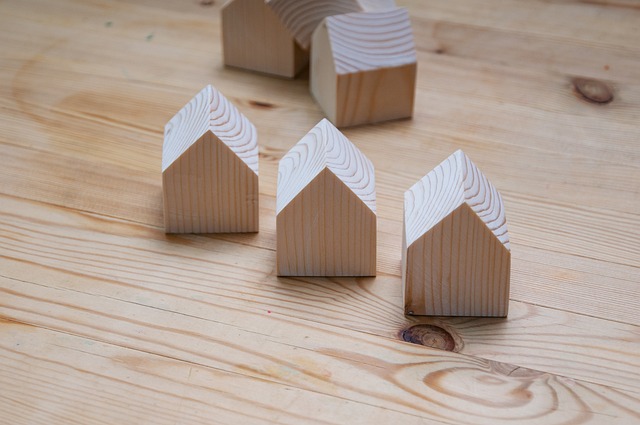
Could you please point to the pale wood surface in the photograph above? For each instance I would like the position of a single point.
(210, 168)
(325, 207)
(455, 244)
(106, 319)
(363, 67)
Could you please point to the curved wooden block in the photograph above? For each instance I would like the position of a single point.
(363, 67)
(210, 168)
(326, 203)
(254, 38)
(456, 255)
(301, 17)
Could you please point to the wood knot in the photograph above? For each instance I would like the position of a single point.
(592, 90)
(206, 2)
(429, 336)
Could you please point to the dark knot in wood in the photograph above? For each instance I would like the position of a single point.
(429, 336)
(593, 90)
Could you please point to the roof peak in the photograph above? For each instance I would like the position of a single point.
(325, 147)
(210, 110)
(455, 181)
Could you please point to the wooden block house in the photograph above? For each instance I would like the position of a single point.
(456, 257)
(326, 207)
(254, 38)
(274, 36)
(363, 67)
(210, 168)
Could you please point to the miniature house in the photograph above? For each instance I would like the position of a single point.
(274, 36)
(210, 168)
(326, 208)
(456, 257)
(363, 67)
(254, 38)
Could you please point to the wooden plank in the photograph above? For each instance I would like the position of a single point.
(518, 48)
(393, 375)
(129, 263)
(85, 89)
(589, 21)
(616, 240)
(118, 384)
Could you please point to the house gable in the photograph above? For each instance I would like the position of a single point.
(324, 146)
(457, 268)
(326, 230)
(210, 111)
(209, 189)
(455, 181)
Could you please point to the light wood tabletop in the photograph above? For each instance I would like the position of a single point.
(104, 319)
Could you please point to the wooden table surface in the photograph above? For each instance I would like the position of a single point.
(104, 319)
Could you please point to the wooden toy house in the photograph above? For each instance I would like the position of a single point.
(326, 208)
(456, 257)
(210, 168)
(274, 36)
(254, 38)
(363, 67)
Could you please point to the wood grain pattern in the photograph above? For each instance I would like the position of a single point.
(254, 38)
(326, 207)
(210, 168)
(97, 288)
(436, 387)
(147, 276)
(456, 258)
(301, 17)
(363, 67)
